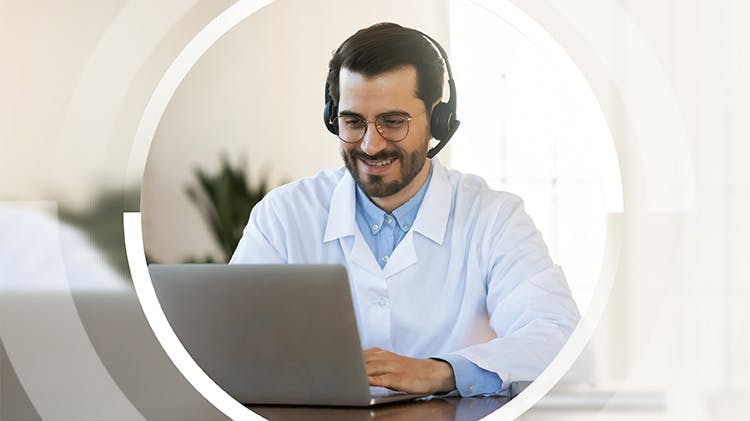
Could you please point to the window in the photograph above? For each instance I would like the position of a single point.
(531, 129)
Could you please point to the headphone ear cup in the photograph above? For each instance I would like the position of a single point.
(329, 117)
(441, 121)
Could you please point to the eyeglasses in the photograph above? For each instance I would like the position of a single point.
(394, 127)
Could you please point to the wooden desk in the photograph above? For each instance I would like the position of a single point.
(436, 409)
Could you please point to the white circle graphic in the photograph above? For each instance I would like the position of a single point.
(134, 238)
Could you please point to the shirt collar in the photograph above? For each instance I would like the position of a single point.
(404, 215)
(373, 214)
(432, 215)
(407, 213)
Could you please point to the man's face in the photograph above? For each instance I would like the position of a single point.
(384, 169)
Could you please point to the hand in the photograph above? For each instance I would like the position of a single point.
(410, 375)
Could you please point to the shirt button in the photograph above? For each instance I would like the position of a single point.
(471, 388)
(384, 259)
(406, 226)
(382, 302)
(388, 220)
(375, 227)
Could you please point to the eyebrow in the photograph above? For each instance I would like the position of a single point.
(387, 113)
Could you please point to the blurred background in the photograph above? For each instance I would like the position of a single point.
(618, 122)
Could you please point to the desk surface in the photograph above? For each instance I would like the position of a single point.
(579, 401)
(437, 409)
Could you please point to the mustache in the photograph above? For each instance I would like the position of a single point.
(355, 154)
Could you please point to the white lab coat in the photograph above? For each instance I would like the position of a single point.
(472, 276)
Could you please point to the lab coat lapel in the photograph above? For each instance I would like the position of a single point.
(341, 213)
(432, 217)
(341, 225)
(431, 221)
(362, 255)
(403, 256)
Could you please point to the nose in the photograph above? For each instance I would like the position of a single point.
(372, 142)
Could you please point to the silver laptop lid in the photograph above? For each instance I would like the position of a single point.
(270, 334)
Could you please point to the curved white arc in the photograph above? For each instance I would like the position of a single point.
(45, 339)
(134, 245)
(538, 36)
(174, 75)
(651, 107)
(650, 103)
(163, 331)
(575, 82)
(580, 336)
(103, 72)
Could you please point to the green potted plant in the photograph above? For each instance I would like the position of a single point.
(225, 199)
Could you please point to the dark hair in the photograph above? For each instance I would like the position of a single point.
(384, 47)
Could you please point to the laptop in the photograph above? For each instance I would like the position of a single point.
(271, 334)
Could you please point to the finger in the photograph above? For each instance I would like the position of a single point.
(379, 355)
(381, 367)
(372, 351)
(389, 380)
(368, 355)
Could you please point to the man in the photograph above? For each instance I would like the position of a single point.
(453, 285)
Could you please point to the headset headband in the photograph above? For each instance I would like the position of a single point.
(443, 122)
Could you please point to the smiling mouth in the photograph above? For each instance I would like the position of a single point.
(379, 163)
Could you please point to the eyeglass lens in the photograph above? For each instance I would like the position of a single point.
(393, 127)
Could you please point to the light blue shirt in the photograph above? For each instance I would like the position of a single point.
(383, 232)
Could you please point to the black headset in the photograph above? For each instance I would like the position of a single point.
(443, 123)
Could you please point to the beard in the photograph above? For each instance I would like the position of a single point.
(375, 185)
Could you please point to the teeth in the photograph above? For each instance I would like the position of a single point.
(378, 163)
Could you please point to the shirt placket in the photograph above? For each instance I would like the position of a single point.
(386, 240)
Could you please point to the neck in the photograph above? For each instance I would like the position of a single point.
(392, 202)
